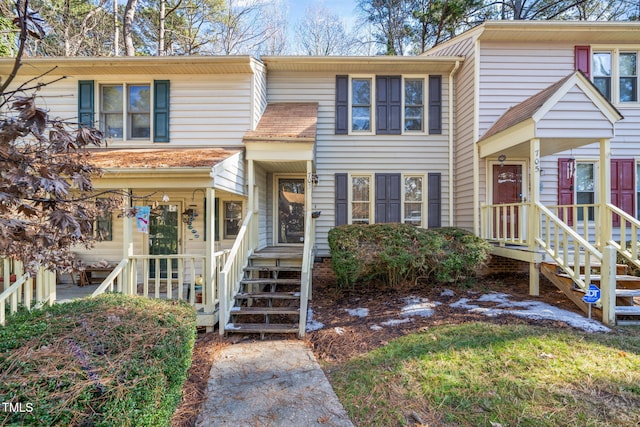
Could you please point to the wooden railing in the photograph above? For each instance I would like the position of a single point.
(583, 219)
(26, 291)
(505, 223)
(114, 281)
(627, 243)
(307, 266)
(233, 270)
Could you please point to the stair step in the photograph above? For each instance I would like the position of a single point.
(620, 268)
(272, 268)
(267, 281)
(265, 310)
(258, 328)
(279, 255)
(628, 292)
(596, 277)
(627, 310)
(272, 295)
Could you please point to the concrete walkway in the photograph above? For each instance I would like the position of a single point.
(270, 383)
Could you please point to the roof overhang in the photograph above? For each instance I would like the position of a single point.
(362, 64)
(131, 65)
(511, 133)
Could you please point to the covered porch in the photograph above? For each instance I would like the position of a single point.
(580, 240)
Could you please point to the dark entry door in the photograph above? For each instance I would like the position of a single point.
(291, 210)
(507, 189)
(163, 238)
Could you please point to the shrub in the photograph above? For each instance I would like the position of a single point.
(402, 252)
(110, 360)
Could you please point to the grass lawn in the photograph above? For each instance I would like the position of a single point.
(486, 374)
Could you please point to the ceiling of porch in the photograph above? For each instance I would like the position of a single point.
(568, 114)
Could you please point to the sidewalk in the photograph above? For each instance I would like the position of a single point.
(270, 383)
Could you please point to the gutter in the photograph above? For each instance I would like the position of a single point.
(451, 141)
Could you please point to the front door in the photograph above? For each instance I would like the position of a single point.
(290, 222)
(507, 189)
(163, 237)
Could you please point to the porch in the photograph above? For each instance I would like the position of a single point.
(579, 241)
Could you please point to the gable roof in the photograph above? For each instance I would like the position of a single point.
(159, 158)
(286, 122)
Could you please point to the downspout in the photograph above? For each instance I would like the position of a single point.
(451, 142)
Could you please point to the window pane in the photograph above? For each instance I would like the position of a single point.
(140, 125)
(602, 64)
(111, 100)
(232, 218)
(413, 104)
(413, 92)
(139, 99)
(361, 104)
(361, 118)
(628, 77)
(413, 118)
(360, 205)
(584, 177)
(139, 117)
(361, 92)
(111, 119)
(628, 64)
(112, 125)
(413, 200)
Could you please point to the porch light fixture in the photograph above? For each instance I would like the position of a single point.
(501, 159)
(165, 197)
(187, 215)
(313, 178)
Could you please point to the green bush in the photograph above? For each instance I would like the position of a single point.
(105, 361)
(402, 252)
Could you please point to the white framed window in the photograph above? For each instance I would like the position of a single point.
(615, 73)
(413, 200)
(585, 188)
(361, 112)
(125, 111)
(360, 195)
(628, 80)
(231, 218)
(414, 104)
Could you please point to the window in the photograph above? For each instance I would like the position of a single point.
(414, 105)
(134, 116)
(602, 72)
(628, 68)
(360, 199)
(361, 105)
(103, 225)
(232, 219)
(413, 200)
(389, 105)
(585, 189)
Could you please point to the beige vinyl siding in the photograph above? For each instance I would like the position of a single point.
(259, 90)
(229, 175)
(419, 154)
(464, 94)
(265, 211)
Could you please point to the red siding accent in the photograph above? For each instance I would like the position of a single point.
(583, 59)
(566, 180)
(622, 186)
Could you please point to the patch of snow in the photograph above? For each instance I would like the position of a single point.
(418, 307)
(375, 327)
(357, 312)
(312, 325)
(338, 330)
(529, 309)
(447, 293)
(393, 322)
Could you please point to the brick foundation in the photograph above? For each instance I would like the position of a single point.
(498, 265)
(322, 271)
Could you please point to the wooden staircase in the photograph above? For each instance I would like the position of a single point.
(269, 298)
(627, 290)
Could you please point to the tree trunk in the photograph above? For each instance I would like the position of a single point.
(127, 27)
(116, 30)
(161, 51)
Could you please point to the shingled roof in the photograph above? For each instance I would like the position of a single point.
(286, 122)
(159, 158)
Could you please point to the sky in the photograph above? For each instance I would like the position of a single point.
(344, 8)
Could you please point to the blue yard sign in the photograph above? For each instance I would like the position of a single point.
(592, 295)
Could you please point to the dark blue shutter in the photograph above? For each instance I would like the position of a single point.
(434, 200)
(342, 105)
(435, 104)
(388, 197)
(388, 105)
(161, 111)
(342, 199)
(86, 103)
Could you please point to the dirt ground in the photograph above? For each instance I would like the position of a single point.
(344, 336)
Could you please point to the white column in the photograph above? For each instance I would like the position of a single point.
(127, 244)
(533, 220)
(210, 269)
(604, 232)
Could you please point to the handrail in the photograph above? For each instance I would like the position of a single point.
(22, 292)
(107, 284)
(231, 274)
(557, 238)
(586, 226)
(632, 252)
(306, 274)
(14, 292)
(497, 224)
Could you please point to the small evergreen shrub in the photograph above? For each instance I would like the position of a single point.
(397, 253)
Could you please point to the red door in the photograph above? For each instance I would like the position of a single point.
(507, 189)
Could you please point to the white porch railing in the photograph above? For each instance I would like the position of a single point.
(233, 270)
(627, 242)
(133, 276)
(26, 291)
(582, 219)
(505, 223)
(307, 266)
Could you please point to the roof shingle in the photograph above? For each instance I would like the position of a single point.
(286, 121)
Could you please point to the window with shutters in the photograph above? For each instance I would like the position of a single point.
(413, 199)
(125, 111)
(616, 73)
(360, 199)
(388, 105)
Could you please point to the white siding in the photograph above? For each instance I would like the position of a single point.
(350, 153)
(259, 92)
(229, 175)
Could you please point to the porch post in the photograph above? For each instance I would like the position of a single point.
(533, 221)
(210, 269)
(604, 232)
(127, 245)
(252, 205)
